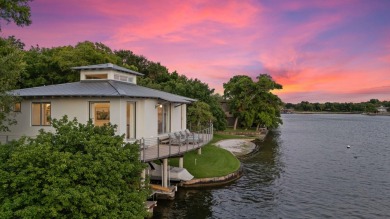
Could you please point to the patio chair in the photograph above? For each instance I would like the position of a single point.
(180, 137)
(174, 139)
(193, 137)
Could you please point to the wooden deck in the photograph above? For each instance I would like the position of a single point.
(157, 150)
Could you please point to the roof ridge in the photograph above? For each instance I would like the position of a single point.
(108, 66)
(100, 88)
(120, 91)
(177, 95)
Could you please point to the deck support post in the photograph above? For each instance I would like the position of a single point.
(199, 150)
(181, 162)
(165, 173)
(143, 176)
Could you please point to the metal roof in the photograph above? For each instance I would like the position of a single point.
(100, 88)
(107, 66)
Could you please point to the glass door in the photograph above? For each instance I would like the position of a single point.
(130, 120)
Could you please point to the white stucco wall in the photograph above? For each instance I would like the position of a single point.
(118, 115)
(59, 107)
(146, 115)
(176, 118)
(147, 119)
(184, 117)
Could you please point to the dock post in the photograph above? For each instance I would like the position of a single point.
(143, 148)
(165, 173)
(143, 176)
(158, 147)
(181, 162)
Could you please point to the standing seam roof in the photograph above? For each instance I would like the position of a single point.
(100, 88)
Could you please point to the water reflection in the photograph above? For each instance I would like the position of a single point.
(254, 191)
(189, 203)
(304, 170)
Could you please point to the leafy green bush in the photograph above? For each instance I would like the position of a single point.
(79, 171)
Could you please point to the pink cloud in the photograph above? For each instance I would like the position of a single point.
(173, 20)
(302, 4)
(356, 95)
(313, 47)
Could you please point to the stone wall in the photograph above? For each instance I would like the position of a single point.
(214, 181)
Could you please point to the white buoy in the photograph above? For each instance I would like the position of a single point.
(348, 146)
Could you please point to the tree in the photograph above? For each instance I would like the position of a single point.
(17, 11)
(238, 93)
(253, 102)
(199, 115)
(267, 105)
(12, 64)
(46, 66)
(79, 171)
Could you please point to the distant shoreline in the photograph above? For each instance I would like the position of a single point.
(348, 113)
(314, 112)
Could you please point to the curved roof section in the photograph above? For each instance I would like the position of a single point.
(107, 66)
(100, 88)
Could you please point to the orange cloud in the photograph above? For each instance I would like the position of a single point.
(317, 48)
(175, 21)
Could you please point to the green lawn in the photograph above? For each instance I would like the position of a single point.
(213, 162)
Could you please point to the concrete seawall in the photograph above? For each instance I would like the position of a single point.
(223, 180)
(214, 181)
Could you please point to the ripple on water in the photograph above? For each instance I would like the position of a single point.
(304, 170)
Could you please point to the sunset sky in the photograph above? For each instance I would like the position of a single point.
(337, 51)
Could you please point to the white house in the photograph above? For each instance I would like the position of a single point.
(105, 93)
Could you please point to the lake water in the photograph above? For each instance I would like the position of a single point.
(304, 170)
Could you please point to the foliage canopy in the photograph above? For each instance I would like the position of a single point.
(199, 115)
(252, 102)
(17, 11)
(367, 107)
(79, 171)
(47, 66)
(12, 65)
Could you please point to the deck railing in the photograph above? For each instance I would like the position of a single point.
(160, 147)
(174, 145)
(7, 138)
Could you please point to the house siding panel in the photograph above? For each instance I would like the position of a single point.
(175, 118)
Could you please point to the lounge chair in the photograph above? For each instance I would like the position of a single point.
(193, 138)
(180, 137)
(175, 139)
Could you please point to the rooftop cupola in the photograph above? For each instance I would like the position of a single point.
(107, 71)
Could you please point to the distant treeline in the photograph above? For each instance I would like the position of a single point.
(369, 106)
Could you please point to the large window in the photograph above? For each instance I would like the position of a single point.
(99, 113)
(17, 107)
(40, 114)
(163, 118)
(130, 120)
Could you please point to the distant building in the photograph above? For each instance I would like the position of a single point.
(286, 111)
(382, 109)
(229, 117)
